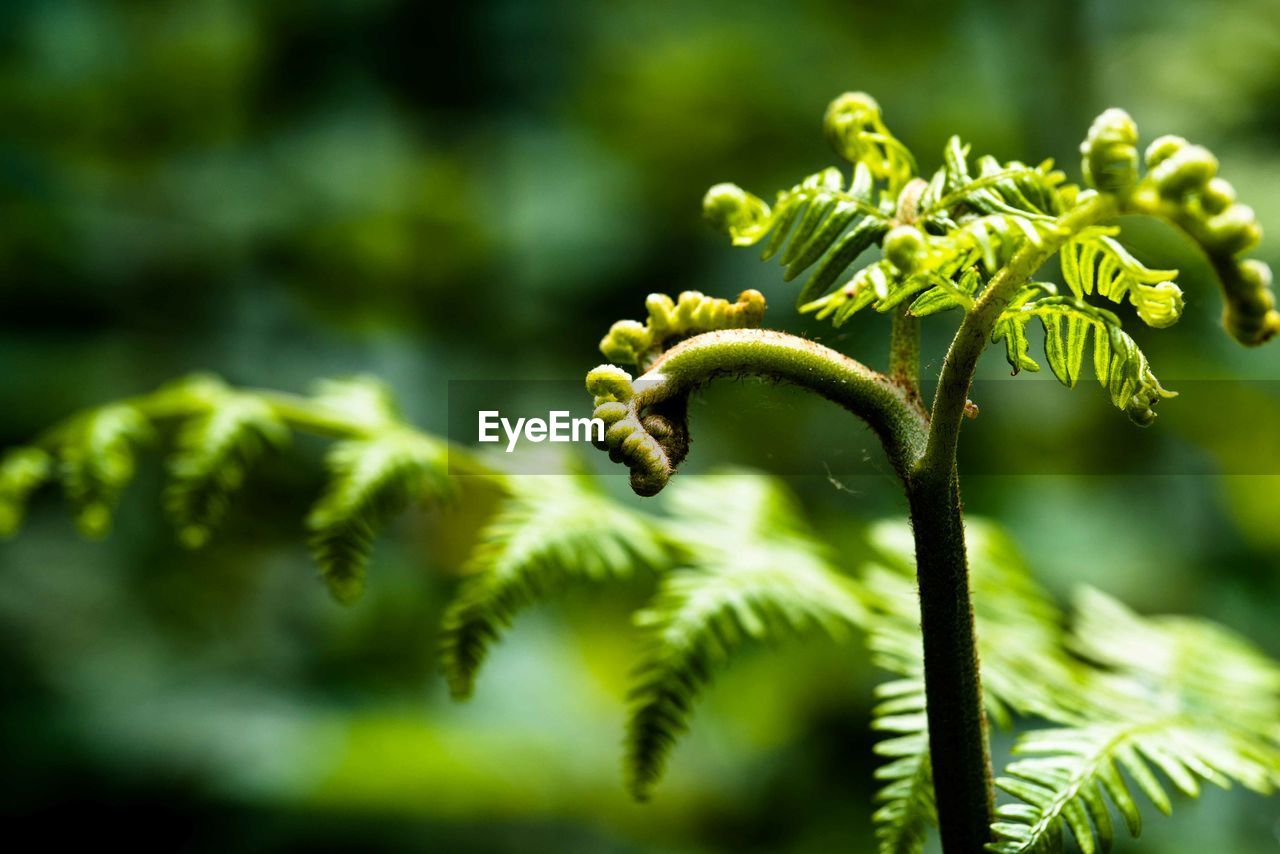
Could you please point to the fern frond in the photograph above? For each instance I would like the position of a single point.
(1095, 261)
(752, 572)
(818, 221)
(22, 471)
(214, 451)
(1120, 366)
(98, 459)
(933, 263)
(1175, 695)
(370, 480)
(548, 532)
(1011, 188)
(363, 401)
(907, 808)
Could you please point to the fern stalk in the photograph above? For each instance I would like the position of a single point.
(953, 685)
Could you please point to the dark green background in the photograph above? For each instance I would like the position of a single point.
(287, 190)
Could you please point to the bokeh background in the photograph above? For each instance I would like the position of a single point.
(428, 192)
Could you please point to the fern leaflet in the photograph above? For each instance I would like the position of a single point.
(547, 532)
(1177, 695)
(370, 480)
(752, 572)
(214, 451)
(22, 471)
(98, 457)
(1120, 366)
(1095, 261)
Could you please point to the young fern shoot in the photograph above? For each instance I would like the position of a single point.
(969, 239)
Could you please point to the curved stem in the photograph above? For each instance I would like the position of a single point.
(873, 397)
(975, 330)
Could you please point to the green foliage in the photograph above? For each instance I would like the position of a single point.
(22, 471)
(1175, 695)
(1118, 363)
(370, 481)
(98, 458)
(548, 532)
(946, 241)
(824, 221)
(1095, 261)
(630, 342)
(749, 571)
(377, 467)
(214, 451)
(947, 230)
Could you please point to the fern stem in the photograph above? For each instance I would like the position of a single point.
(975, 330)
(904, 351)
(953, 687)
(883, 404)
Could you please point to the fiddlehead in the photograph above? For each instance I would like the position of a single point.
(646, 418)
(650, 442)
(630, 342)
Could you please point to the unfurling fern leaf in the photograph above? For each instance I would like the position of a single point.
(1119, 364)
(22, 471)
(98, 458)
(370, 480)
(630, 342)
(214, 451)
(548, 531)
(1174, 695)
(1095, 261)
(917, 262)
(751, 572)
(818, 221)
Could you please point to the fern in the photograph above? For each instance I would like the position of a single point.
(1095, 261)
(1025, 668)
(1119, 364)
(818, 221)
(547, 532)
(370, 480)
(98, 459)
(751, 572)
(22, 472)
(214, 451)
(378, 465)
(1174, 695)
(907, 809)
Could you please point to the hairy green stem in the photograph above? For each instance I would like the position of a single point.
(883, 404)
(975, 330)
(958, 741)
(904, 350)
